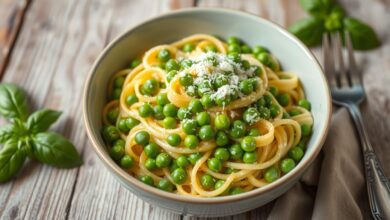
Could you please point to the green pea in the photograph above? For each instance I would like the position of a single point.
(191, 141)
(151, 150)
(150, 164)
(174, 139)
(306, 130)
(120, 142)
(122, 126)
(116, 93)
(150, 87)
(261, 103)
(268, 100)
(186, 80)
(206, 100)
(235, 57)
(236, 190)
(145, 110)
(194, 157)
(174, 166)
(170, 110)
(294, 112)
(251, 115)
(188, 47)
(206, 133)
(286, 165)
(245, 64)
(184, 113)
(118, 82)
(248, 143)
(246, 49)
(264, 58)
(210, 48)
(249, 157)
(169, 123)
(131, 122)
(162, 99)
(126, 162)
(222, 121)
(219, 184)
(179, 175)
(258, 49)
(274, 90)
(257, 70)
(158, 112)
(147, 180)
(182, 161)
(302, 144)
(286, 115)
(135, 63)
(203, 118)
(165, 185)
(220, 81)
(238, 129)
(192, 91)
(207, 181)
(305, 104)
(142, 138)
(236, 152)
(110, 133)
(283, 99)
(214, 164)
(246, 87)
(221, 139)
(163, 160)
(112, 116)
(296, 153)
(164, 55)
(117, 152)
(190, 126)
(170, 75)
(131, 99)
(264, 113)
(186, 64)
(271, 174)
(232, 40)
(195, 106)
(234, 48)
(230, 170)
(223, 101)
(171, 65)
(274, 110)
(222, 154)
(254, 132)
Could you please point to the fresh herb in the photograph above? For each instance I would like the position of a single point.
(328, 16)
(27, 136)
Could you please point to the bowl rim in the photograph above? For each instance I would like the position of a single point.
(125, 177)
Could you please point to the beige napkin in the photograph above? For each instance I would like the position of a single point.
(334, 186)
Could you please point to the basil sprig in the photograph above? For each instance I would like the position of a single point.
(27, 136)
(328, 16)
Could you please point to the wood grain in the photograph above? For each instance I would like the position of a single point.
(51, 58)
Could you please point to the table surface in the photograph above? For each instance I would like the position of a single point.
(48, 48)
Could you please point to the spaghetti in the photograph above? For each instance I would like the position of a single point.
(204, 117)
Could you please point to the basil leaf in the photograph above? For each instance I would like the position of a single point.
(54, 149)
(309, 30)
(13, 103)
(11, 160)
(6, 133)
(317, 7)
(363, 37)
(41, 120)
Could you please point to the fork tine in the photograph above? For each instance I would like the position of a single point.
(328, 61)
(354, 74)
(341, 74)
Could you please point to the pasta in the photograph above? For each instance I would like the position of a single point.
(203, 117)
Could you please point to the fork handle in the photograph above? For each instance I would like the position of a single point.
(378, 186)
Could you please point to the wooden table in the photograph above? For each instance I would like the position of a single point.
(48, 48)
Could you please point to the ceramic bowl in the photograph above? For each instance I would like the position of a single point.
(292, 54)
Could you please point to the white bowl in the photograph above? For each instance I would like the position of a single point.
(292, 54)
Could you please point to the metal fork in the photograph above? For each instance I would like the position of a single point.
(348, 91)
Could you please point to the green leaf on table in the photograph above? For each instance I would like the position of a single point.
(6, 132)
(13, 103)
(363, 37)
(309, 30)
(317, 7)
(54, 149)
(41, 120)
(11, 160)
